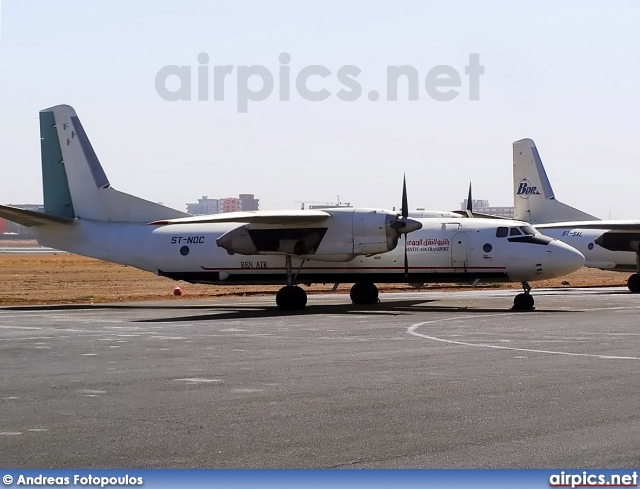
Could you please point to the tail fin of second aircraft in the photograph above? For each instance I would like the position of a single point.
(533, 196)
(74, 183)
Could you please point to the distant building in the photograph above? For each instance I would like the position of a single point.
(483, 207)
(327, 206)
(230, 204)
(204, 206)
(248, 202)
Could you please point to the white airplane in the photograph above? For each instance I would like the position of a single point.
(83, 214)
(606, 244)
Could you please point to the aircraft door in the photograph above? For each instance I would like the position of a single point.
(460, 252)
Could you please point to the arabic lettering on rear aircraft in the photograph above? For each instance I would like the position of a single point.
(525, 189)
(187, 239)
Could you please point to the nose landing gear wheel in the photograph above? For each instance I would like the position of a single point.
(364, 293)
(291, 298)
(524, 301)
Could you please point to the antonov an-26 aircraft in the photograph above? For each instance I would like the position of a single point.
(83, 214)
(606, 244)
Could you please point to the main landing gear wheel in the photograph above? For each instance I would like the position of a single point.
(364, 293)
(634, 283)
(291, 298)
(524, 301)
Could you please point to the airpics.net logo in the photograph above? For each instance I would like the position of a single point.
(525, 189)
(257, 83)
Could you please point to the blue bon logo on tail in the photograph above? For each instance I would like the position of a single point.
(525, 189)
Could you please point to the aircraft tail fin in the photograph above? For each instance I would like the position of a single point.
(533, 197)
(74, 182)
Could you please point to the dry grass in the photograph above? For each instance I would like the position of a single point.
(66, 278)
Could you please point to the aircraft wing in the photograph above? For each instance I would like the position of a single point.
(255, 217)
(630, 225)
(465, 213)
(30, 218)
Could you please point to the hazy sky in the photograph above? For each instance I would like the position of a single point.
(565, 74)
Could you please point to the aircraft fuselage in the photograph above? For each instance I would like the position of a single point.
(445, 249)
(584, 240)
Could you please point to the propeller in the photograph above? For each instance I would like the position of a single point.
(469, 203)
(403, 224)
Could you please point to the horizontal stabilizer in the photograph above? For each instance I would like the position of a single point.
(31, 218)
(257, 217)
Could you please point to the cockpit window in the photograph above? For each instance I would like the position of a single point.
(528, 230)
(502, 232)
(515, 232)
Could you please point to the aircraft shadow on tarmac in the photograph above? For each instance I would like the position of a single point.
(392, 308)
(240, 311)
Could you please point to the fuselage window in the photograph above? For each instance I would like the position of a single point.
(515, 232)
(487, 247)
(502, 232)
(527, 230)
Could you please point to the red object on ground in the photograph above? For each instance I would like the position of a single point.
(177, 291)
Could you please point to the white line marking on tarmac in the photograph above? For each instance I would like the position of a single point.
(199, 379)
(10, 433)
(412, 331)
(25, 338)
(20, 327)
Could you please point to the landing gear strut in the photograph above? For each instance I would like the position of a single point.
(291, 297)
(524, 301)
(364, 293)
(634, 280)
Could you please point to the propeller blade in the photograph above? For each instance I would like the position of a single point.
(469, 203)
(406, 259)
(405, 203)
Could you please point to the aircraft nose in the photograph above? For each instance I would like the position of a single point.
(564, 259)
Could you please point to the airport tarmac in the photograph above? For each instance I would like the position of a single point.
(437, 379)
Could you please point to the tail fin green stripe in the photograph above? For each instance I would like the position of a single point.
(57, 198)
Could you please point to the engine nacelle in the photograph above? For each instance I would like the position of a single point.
(372, 232)
(347, 233)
